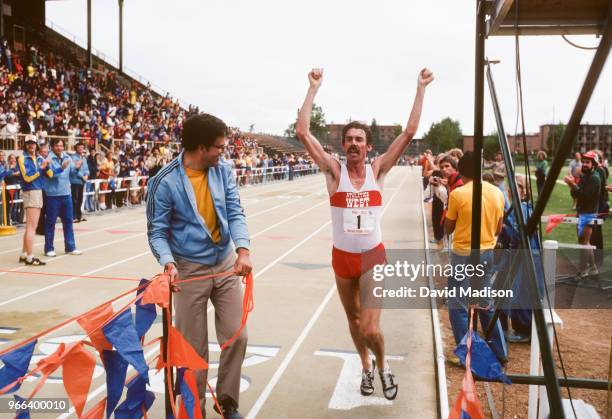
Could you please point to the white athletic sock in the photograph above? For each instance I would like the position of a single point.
(24, 254)
(29, 258)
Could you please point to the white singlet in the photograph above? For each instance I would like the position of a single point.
(356, 214)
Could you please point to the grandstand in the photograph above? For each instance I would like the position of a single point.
(274, 144)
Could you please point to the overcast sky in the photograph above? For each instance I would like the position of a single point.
(246, 61)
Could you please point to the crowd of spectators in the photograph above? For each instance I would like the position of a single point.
(127, 130)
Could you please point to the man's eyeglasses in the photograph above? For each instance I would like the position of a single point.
(220, 147)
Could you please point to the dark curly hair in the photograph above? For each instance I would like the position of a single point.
(202, 129)
(358, 125)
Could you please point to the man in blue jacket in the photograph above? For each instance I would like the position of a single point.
(59, 200)
(78, 178)
(196, 226)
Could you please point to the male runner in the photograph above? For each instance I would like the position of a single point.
(355, 191)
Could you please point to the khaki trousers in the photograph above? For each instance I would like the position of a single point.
(191, 304)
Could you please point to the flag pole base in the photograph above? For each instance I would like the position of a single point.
(8, 230)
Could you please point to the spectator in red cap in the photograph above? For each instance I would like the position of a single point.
(587, 204)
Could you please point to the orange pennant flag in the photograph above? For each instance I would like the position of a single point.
(553, 221)
(181, 353)
(48, 365)
(467, 400)
(157, 292)
(77, 372)
(96, 412)
(190, 381)
(93, 320)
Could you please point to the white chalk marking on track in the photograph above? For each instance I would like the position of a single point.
(345, 395)
(289, 357)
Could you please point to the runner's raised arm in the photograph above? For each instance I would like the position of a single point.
(386, 161)
(323, 159)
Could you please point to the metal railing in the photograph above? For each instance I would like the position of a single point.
(15, 142)
(116, 192)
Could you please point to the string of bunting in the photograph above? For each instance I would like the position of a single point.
(118, 337)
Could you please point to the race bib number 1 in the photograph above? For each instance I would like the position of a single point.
(358, 221)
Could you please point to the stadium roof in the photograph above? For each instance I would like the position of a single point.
(547, 17)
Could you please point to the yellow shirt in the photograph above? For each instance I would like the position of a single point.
(204, 201)
(460, 210)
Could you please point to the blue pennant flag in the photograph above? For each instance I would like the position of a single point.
(188, 398)
(116, 370)
(484, 362)
(137, 397)
(145, 313)
(121, 333)
(21, 413)
(16, 365)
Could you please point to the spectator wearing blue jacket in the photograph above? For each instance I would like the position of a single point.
(32, 169)
(78, 179)
(59, 199)
(196, 226)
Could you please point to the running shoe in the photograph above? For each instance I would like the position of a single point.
(75, 252)
(51, 254)
(229, 411)
(367, 380)
(22, 259)
(517, 338)
(35, 262)
(388, 383)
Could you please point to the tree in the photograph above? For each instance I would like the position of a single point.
(555, 133)
(375, 131)
(318, 128)
(490, 146)
(397, 130)
(443, 135)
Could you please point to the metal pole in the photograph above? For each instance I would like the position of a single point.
(168, 375)
(478, 122)
(565, 146)
(121, 36)
(573, 382)
(89, 54)
(548, 364)
(2, 25)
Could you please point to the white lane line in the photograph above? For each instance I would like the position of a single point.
(284, 204)
(289, 357)
(93, 217)
(57, 284)
(287, 219)
(59, 238)
(285, 363)
(84, 250)
(102, 387)
(298, 187)
(442, 386)
(142, 234)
